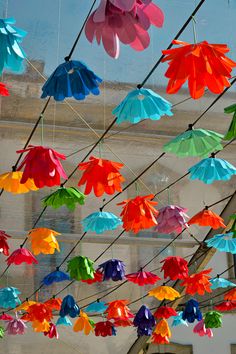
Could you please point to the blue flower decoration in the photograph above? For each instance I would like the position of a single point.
(113, 269)
(178, 320)
(144, 321)
(9, 297)
(223, 242)
(69, 307)
(55, 277)
(101, 221)
(63, 321)
(192, 311)
(212, 169)
(220, 283)
(71, 79)
(12, 55)
(98, 307)
(142, 104)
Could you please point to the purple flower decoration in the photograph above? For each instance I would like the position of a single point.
(144, 321)
(113, 269)
(16, 326)
(171, 218)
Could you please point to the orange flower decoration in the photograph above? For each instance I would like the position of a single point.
(24, 306)
(198, 283)
(41, 326)
(139, 213)
(118, 310)
(207, 218)
(83, 323)
(10, 182)
(202, 64)
(53, 304)
(43, 240)
(164, 293)
(158, 339)
(230, 295)
(102, 176)
(162, 328)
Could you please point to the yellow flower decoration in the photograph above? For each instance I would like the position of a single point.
(25, 305)
(41, 326)
(43, 240)
(162, 328)
(10, 182)
(83, 323)
(164, 293)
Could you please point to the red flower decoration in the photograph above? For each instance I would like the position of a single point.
(230, 295)
(43, 165)
(98, 278)
(104, 329)
(3, 90)
(175, 268)
(207, 218)
(123, 323)
(102, 176)
(39, 312)
(4, 248)
(226, 306)
(118, 309)
(21, 255)
(138, 213)
(165, 312)
(52, 332)
(158, 339)
(6, 317)
(198, 283)
(53, 304)
(202, 64)
(143, 278)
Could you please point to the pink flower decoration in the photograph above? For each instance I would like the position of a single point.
(6, 317)
(201, 330)
(125, 21)
(16, 326)
(171, 218)
(142, 278)
(21, 255)
(52, 332)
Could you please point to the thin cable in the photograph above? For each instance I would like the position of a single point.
(110, 245)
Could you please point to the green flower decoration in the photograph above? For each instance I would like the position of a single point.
(232, 227)
(194, 142)
(1, 332)
(81, 268)
(64, 196)
(231, 133)
(212, 319)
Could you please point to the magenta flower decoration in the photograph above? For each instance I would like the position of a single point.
(171, 218)
(16, 326)
(201, 330)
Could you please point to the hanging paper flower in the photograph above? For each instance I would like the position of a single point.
(212, 319)
(198, 283)
(161, 333)
(178, 320)
(21, 255)
(123, 323)
(192, 311)
(55, 277)
(113, 269)
(164, 293)
(63, 321)
(116, 21)
(165, 312)
(201, 330)
(69, 307)
(194, 142)
(209, 61)
(25, 305)
(43, 240)
(81, 268)
(139, 213)
(118, 309)
(12, 55)
(218, 282)
(142, 104)
(175, 267)
(84, 323)
(142, 278)
(226, 306)
(40, 326)
(52, 332)
(5, 317)
(53, 304)
(100, 222)
(71, 79)
(207, 218)
(171, 218)
(144, 321)
(158, 339)
(4, 247)
(223, 242)
(11, 182)
(101, 175)
(3, 90)
(230, 295)
(16, 326)
(39, 312)
(64, 196)
(43, 165)
(231, 133)
(2, 331)
(211, 169)
(9, 297)
(97, 307)
(98, 278)
(104, 329)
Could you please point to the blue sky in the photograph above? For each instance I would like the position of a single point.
(50, 40)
